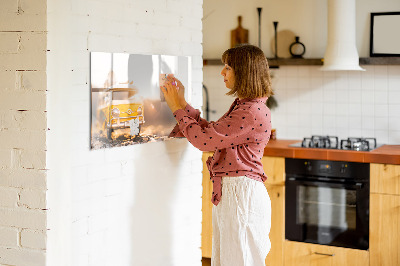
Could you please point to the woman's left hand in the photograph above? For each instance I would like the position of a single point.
(171, 96)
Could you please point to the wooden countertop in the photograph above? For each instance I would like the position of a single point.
(389, 154)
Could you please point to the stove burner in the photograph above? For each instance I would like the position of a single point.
(358, 144)
(332, 142)
(328, 142)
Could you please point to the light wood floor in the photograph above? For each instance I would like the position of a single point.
(206, 261)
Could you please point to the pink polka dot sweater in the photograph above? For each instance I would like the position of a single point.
(238, 139)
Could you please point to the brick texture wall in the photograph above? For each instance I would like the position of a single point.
(60, 202)
(23, 132)
(135, 205)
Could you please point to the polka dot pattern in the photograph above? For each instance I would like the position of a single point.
(238, 139)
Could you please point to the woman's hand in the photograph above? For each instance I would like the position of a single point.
(181, 90)
(172, 95)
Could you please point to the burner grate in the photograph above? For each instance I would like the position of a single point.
(332, 142)
(327, 142)
(358, 144)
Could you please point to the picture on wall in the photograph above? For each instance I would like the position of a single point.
(383, 42)
(127, 105)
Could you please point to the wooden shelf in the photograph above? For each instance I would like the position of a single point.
(380, 61)
(212, 62)
(274, 63)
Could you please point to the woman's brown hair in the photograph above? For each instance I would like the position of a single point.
(250, 66)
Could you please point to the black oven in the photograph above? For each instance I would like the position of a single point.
(327, 202)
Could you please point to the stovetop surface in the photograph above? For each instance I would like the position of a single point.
(298, 145)
(333, 143)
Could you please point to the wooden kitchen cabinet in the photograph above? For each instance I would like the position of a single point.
(206, 225)
(274, 168)
(385, 178)
(305, 254)
(277, 233)
(384, 236)
(385, 215)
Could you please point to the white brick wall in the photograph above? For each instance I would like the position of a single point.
(23, 132)
(99, 203)
(33, 239)
(11, 256)
(136, 205)
(9, 197)
(9, 237)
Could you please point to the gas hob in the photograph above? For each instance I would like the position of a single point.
(332, 142)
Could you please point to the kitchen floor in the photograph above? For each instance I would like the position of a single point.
(206, 261)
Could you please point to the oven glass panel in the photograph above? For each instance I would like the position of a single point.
(326, 207)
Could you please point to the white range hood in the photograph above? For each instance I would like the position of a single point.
(341, 51)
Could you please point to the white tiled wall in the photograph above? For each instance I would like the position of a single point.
(344, 103)
(313, 102)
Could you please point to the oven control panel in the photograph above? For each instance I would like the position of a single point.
(325, 167)
(337, 169)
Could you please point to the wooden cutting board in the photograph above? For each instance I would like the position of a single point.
(239, 35)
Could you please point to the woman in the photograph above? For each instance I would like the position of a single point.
(242, 208)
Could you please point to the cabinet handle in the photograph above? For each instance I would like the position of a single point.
(324, 254)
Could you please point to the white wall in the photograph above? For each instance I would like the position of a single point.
(23, 133)
(343, 104)
(306, 19)
(311, 102)
(135, 205)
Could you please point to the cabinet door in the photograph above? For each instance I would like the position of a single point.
(384, 230)
(206, 232)
(274, 168)
(385, 178)
(277, 233)
(304, 254)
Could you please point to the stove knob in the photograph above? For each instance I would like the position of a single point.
(308, 166)
(343, 168)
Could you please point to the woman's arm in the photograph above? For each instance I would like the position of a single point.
(235, 129)
(176, 99)
(193, 113)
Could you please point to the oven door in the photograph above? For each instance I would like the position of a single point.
(327, 213)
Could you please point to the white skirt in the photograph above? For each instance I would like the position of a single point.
(241, 223)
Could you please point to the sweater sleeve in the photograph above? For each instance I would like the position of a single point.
(193, 113)
(229, 131)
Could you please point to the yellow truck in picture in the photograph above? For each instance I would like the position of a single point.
(121, 110)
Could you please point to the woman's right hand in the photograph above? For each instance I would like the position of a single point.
(181, 91)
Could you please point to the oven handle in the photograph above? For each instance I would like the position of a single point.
(324, 254)
(357, 185)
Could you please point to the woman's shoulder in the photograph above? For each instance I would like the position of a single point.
(257, 110)
(260, 110)
(257, 104)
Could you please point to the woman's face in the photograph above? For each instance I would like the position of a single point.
(229, 76)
